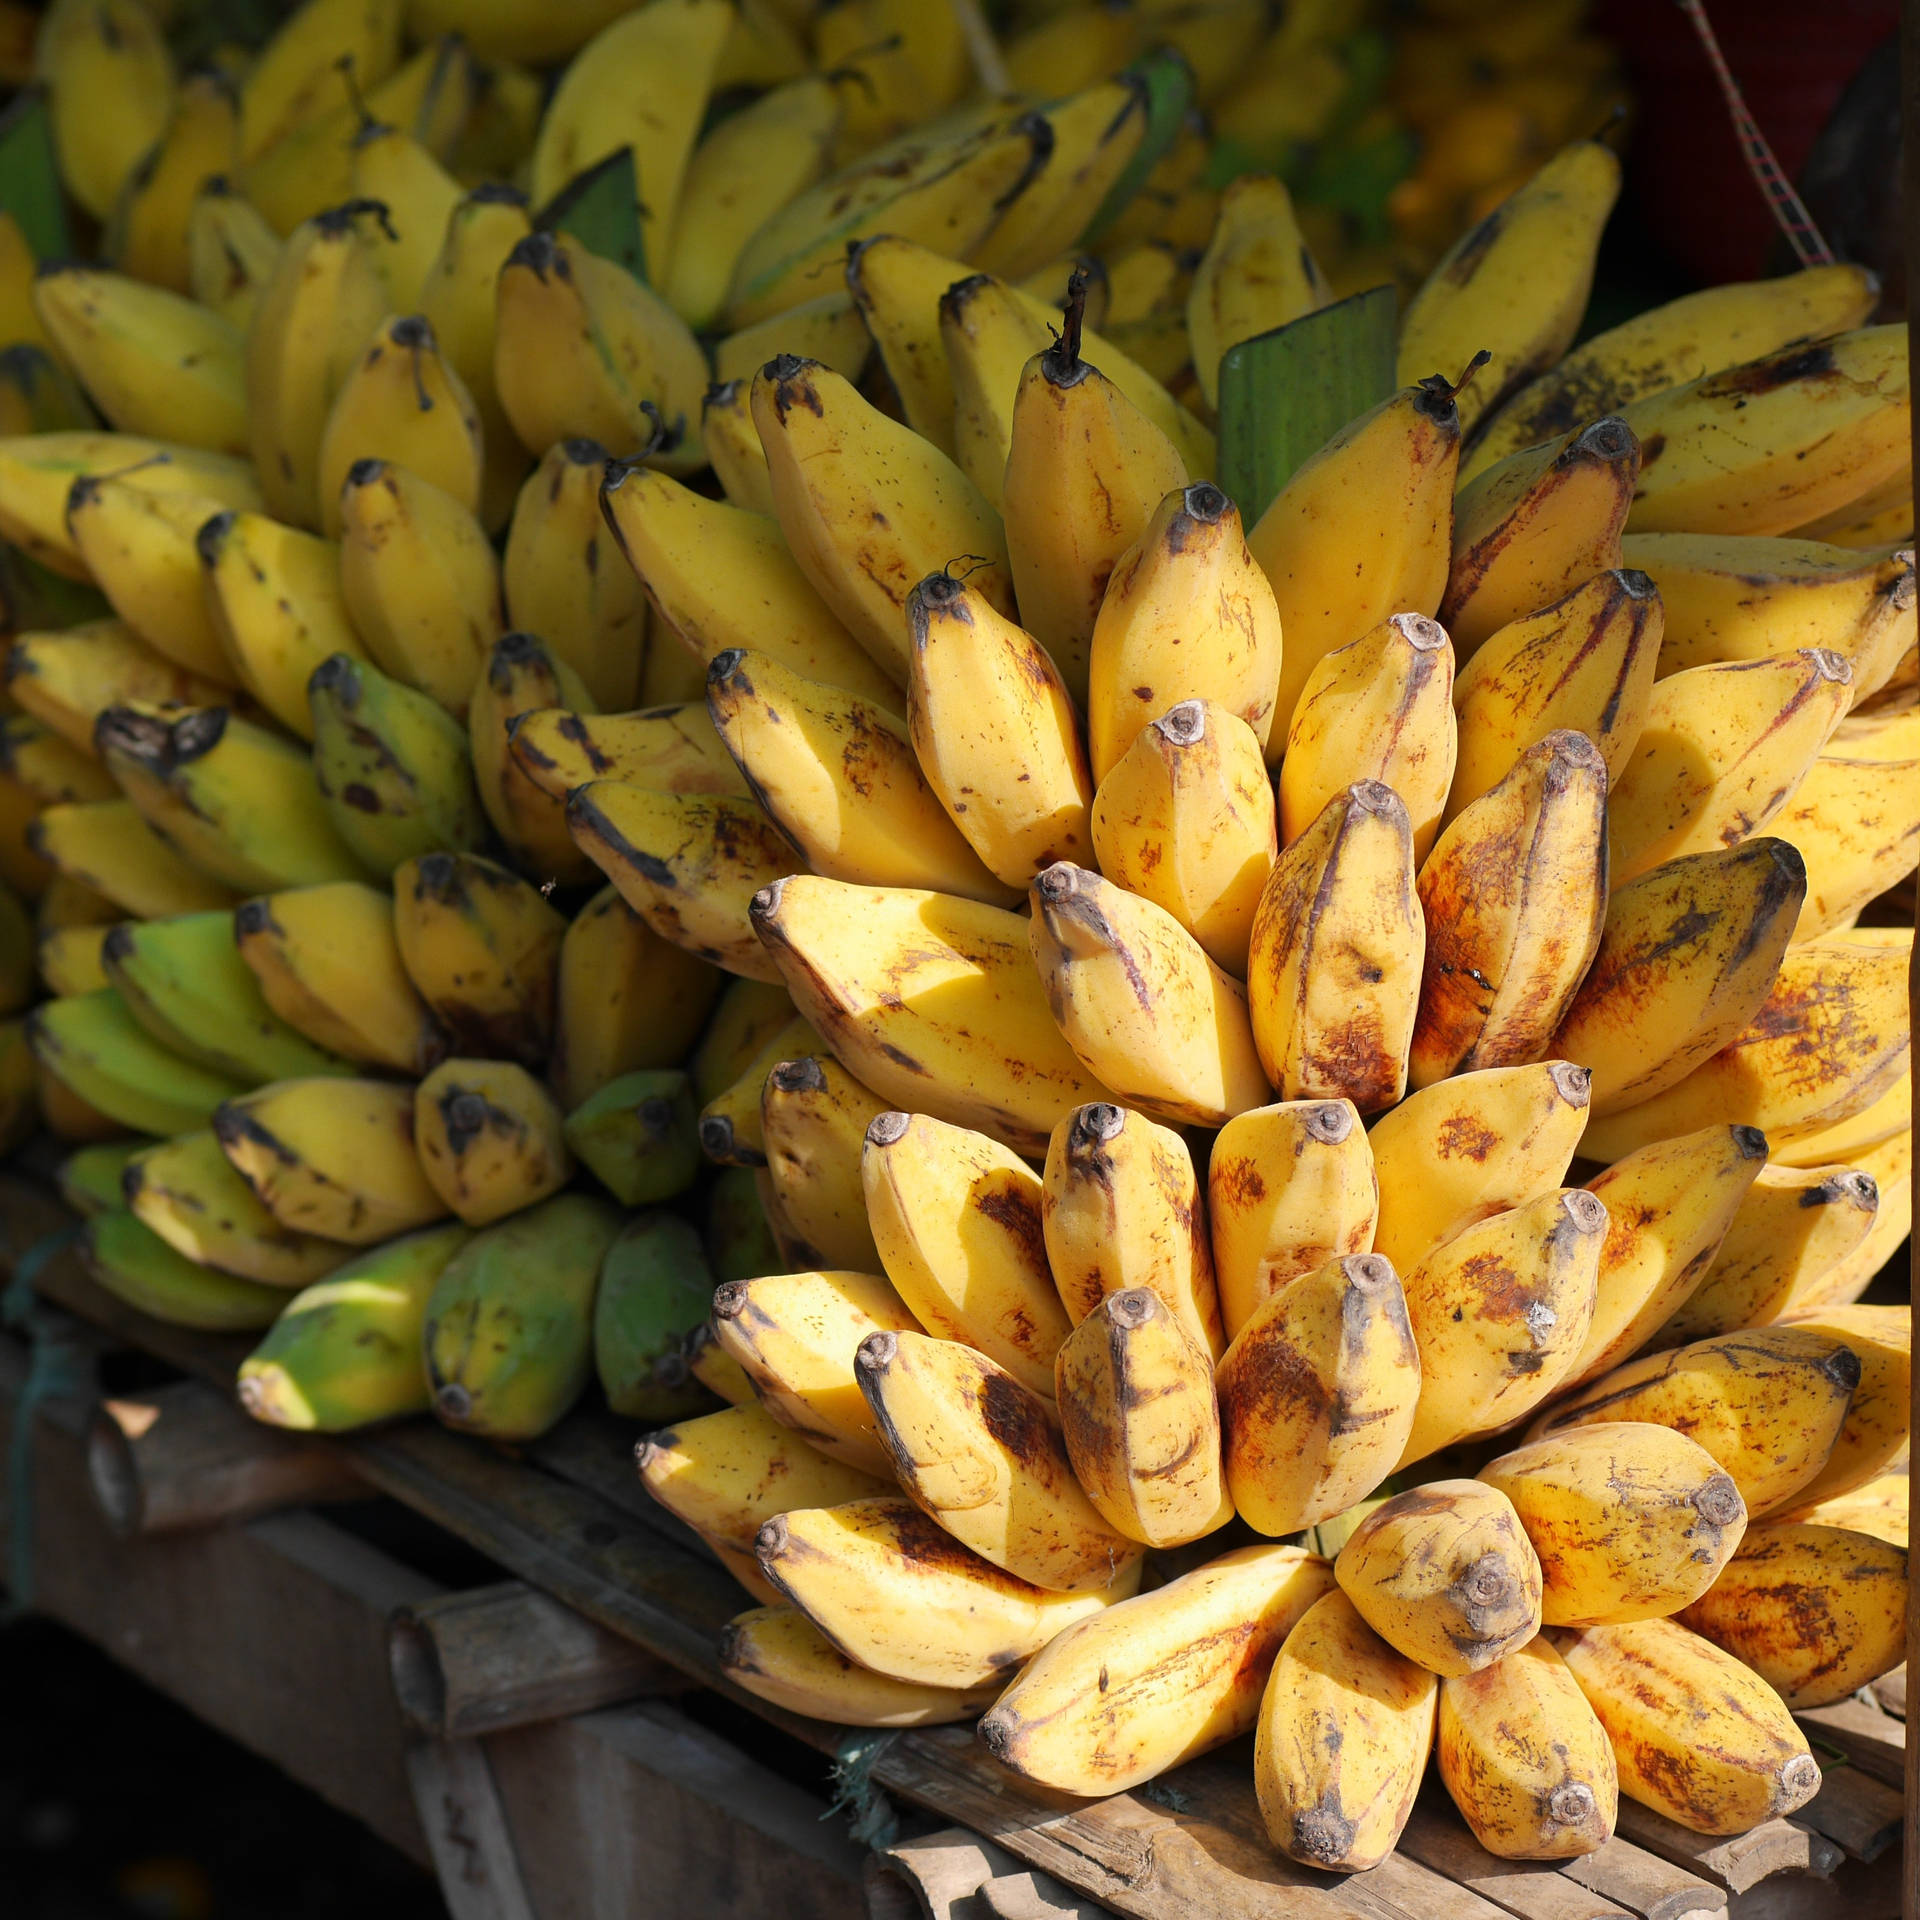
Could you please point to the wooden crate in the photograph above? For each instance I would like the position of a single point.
(567, 1516)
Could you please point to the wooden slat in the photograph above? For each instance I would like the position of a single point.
(1646, 1885)
(1873, 1741)
(1738, 1863)
(1529, 1890)
(466, 1827)
(1856, 1811)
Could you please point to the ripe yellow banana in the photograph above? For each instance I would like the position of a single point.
(520, 675)
(1630, 1520)
(930, 1000)
(147, 236)
(1140, 1420)
(1185, 818)
(1687, 956)
(420, 195)
(1528, 531)
(489, 1140)
(328, 963)
(1768, 1404)
(1857, 838)
(732, 444)
(1890, 1167)
(68, 678)
(1501, 1314)
(106, 845)
(1256, 274)
(1863, 1133)
(69, 960)
(1121, 1208)
(1317, 1395)
(1333, 970)
(1515, 283)
(828, 329)
(814, 1118)
(748, 1015)
(1696, 1735)
(1875, 1433)
(1184, 1667)
(296, 78)
(730, 1122)
(1880, 1509)
(1342, 1740)
(110, 85)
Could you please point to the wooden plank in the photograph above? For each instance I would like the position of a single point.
(466, 1827)
(1856, 1811)
(1873, 1741)
(1646, 1885)
(1737, 1863)
(1891, 1691)
(1527, 1889)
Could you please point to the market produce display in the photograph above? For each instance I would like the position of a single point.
(644, 743)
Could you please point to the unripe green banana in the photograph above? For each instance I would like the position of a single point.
(654, 1290)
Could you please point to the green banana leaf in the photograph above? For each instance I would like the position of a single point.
(601, 209)
(1169, 86)
(29, 183)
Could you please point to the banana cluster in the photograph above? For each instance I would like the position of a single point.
(1182, 1123)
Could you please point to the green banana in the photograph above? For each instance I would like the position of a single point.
(92, 1044)
(640, 1136)
(137, 1267)
(654, 1290)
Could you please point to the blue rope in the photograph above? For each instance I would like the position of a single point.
(872, 1821)
(60, 1369)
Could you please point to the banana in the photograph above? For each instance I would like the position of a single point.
(1871, 1128)
(1515, 283)
(897, 289)
(995, 734)
(312, 320)
(1630, 1520)
(1857, 840)
(1696, 1735)
(523, 675)
(231, 252)
(187, 1192)
(508, 1336)
(139, 548)
(147, 235)
(1768, 1404)
(1317, 1395)
(1188, 583)
(1829, 1040)
(1723, 749)
(727, 1474)
(829, 329)
(67, 679)
(1140, 1421)
(1379, 708)
(457, 301)
(1514, 896)
(1531, 529)
(489, 1138)
(1776, 443)
(979, 1453)
(1467, 1148)
(1257, 274)
(1289, 1188)
(839, 776)
(1185, 819)
(722, 578)
(1342, 1739)
(988, 335)
(1446, 1575)
(1792, 1228)
(68, 960)
(563, 585)
(511, 32)
(404, 403)
(583, 349)
(1669, 1206)
(66, 1115)
(346, 1351)
(1335, 958)
(183, 980)
(814, 1118)
(1879, 1509)
(1076, 46)
(730, 1124)
(1876, 1431)
(1185, 1667)
(779, 1655)
(687, 864)
(420, 583)
(927, 999)
(795, 1335)
(958, 1221)
(420, 195)
(109, 88)
(295, 80)
(137, 1267)
(328, 964)
(392, 765)
(1687, 956)
(1890, 1167)
(38, 394)
(908, 62)
(47, 770)
(482, 948)
(331, 1157)
(274, 594)
(92, 1044)
(732, 444)
(639, 1136)
(1120, 1208)
(1669, 345)
(895, 1593)
(1586, 663)
(106, 844)
(1501, 1313)
(625, 999)
(747, 1016)
(88, 1180)
(830, 458)
(1525, 1759)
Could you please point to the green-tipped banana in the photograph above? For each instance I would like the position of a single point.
(184, 981)
(346, 1352)
(89, 1178)
(654, 1290)
(94, 1046)
(187, 1191)
(136, 1266)
(640, 1135)
(394, 767)
(509, 1330)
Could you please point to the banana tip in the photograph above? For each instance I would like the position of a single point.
(888, 1129)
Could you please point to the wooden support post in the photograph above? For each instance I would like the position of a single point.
(467, 1831)
(185, 1456)
(508, 1656)
(1910, 220)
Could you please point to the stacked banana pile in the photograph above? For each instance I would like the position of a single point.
(1291, 1115)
